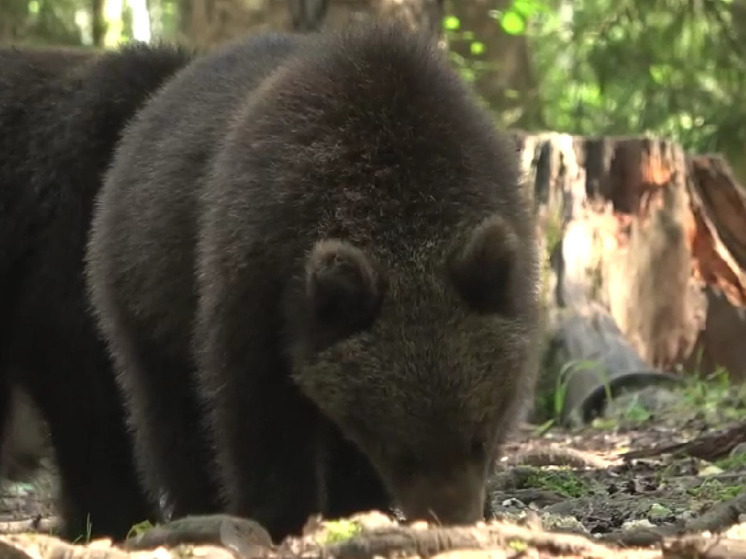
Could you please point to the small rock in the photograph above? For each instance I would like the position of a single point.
(513, 503)
(638, 524)
(373, 519)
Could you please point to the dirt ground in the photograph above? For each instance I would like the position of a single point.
(657, 458)
(610, 481)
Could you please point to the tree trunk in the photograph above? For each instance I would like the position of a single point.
(13, 20)
(719, 249)
(98, 23)
(504, 75)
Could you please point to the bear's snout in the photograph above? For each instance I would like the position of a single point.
(456, 500)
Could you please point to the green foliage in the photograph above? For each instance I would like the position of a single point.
(338, 531)
(515, 19)
(512, 21)
(85, 538)
(45, 22)
(673, 68)
(139, 528)
(734, 462)
(716, 490)
(564, 483)
(70, 22)
(715, 398)
(552, 403)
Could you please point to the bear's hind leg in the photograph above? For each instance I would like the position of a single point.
(100, 491)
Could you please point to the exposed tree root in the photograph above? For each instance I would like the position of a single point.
(241, 538)
(36, 524)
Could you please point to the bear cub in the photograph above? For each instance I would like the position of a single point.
(316, 269)
(61, 112)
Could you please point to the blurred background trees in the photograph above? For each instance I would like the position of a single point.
(673, 68)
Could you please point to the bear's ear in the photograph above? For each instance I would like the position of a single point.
(343, 287)
(482, 268)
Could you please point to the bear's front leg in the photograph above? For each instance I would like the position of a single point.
(264, 430)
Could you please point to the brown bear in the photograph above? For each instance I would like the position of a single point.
(316, 268)
(61, 112)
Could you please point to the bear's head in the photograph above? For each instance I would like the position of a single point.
(424, 361)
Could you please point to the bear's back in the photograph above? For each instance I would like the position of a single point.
(364, 231)
(368, 135)
(61, 113)
(149, 191)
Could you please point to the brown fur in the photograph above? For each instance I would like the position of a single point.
(327, 237)
(61, 113)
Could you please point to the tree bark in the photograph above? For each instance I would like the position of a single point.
(719, 253)
(98, 23)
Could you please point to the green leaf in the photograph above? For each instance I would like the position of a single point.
(451, 23)
(512, 23)
(528, 8)
(477, 48)
(659, 73)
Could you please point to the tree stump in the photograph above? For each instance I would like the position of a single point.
(641, 239)
(718, 248)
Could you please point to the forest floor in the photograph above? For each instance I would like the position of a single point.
(655, 466)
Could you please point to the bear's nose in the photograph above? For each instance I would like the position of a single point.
(453, 500)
